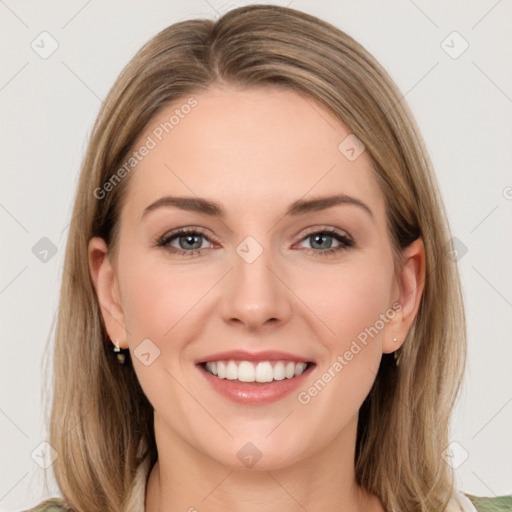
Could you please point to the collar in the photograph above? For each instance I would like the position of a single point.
(135, 501)
(137, 496)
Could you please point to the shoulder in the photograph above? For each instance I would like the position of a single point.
(465, 502)
(479, 503)
(497, 504)
(51, 505)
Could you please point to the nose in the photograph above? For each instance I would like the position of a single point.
(255, 294)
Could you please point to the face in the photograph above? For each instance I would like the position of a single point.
(255, 280)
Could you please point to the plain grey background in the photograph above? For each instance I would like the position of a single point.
(450, 60)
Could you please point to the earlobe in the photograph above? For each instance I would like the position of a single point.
(107, 290)
(410, 285)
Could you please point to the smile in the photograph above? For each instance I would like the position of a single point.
(255, 383)
(263, 371)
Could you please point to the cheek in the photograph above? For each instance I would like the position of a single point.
(157, 296)
(343, 301)
(348, 299)
(349, 302)
(148, 303)
(158, 305)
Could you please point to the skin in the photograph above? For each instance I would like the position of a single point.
(254, 151)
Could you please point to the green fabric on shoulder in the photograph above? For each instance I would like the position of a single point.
(51, 505)
(498, 504)
(482, 504)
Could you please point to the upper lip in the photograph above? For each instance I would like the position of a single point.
(243, 355)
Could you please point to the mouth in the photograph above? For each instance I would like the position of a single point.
(254, 379)
(261, 372)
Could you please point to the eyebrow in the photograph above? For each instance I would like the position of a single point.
(299, 207)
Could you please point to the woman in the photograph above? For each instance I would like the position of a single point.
(259, 310)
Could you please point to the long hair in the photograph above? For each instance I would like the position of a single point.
(101, 423)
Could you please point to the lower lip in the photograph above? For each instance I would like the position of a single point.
(255, 393)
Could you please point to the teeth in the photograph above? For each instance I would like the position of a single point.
(279, 372)
(232, 371)
(246, 371)
(289, 371)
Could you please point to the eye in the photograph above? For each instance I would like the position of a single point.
(185, 241)
(191, 242)
(323, 241)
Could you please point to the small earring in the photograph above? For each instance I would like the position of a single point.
(121, 358)
(396, 355)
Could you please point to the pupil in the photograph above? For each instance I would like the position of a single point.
(319, 237)
(190, 239)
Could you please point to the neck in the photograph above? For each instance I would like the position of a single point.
(187, 480)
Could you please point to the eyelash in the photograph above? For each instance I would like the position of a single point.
(164, 241)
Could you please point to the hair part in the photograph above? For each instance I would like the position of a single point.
(101, 422)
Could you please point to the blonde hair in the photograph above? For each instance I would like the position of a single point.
(101, 423)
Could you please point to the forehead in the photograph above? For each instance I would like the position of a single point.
(252, 150)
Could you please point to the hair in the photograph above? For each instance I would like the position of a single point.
(101, 422)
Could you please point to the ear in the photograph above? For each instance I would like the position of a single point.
(107, 290)
(410, 283)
